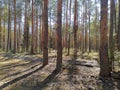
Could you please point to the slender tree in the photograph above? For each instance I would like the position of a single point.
(36, 32)
(45, 32)
(85, 27)
(66, 27)
(9, 25)
(25, 27)
(58, 34)
(111, 42)
(118, 34)
(70, 4)
(96, 28)
(14, 51)
(32, 42)
(83, 30)
(75, 29)
(89, 32)
(0, 26)
(4, 33)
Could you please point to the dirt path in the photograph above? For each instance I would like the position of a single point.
(27, 73)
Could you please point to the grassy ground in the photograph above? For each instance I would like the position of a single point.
(25, 72)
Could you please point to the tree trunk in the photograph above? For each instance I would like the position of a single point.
(69, 28)
(86, 27)
(14, 51)
(24, 35)
(36, 33)
(10, 29)
(96, 27)
(118, 34)
(75, 29)
(4, 36)
(19, 37)
(26, 29)
(66, 27)
(83, 30)
(45, 32)
(0, 29)
(58, 34)
(111, 42)
(104, 61)
(32, 41)
(89, 34)
(9, 24)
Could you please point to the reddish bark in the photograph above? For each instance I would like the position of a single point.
(58, 34)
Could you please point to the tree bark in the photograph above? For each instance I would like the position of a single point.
(9, 25)
(58, 34)
(118, 34)
(111, 42)
(104, 61)
(14, 51)
(45, 32)
(89, 34)
(69, 28)
(32, 41)
(75, 29)
(36, 33)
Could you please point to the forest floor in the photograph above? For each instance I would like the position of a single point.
(25, 72)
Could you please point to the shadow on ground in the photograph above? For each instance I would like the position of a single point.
(19, 78)
(47, 80)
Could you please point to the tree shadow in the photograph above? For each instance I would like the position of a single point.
(19, 78)
(10, 56)
(87, 63)
(108, 84)
(30, 59)
(4, 59)
(47, 80)
(15, 65)
(118, 83)
(72, 70)
(19, 72)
